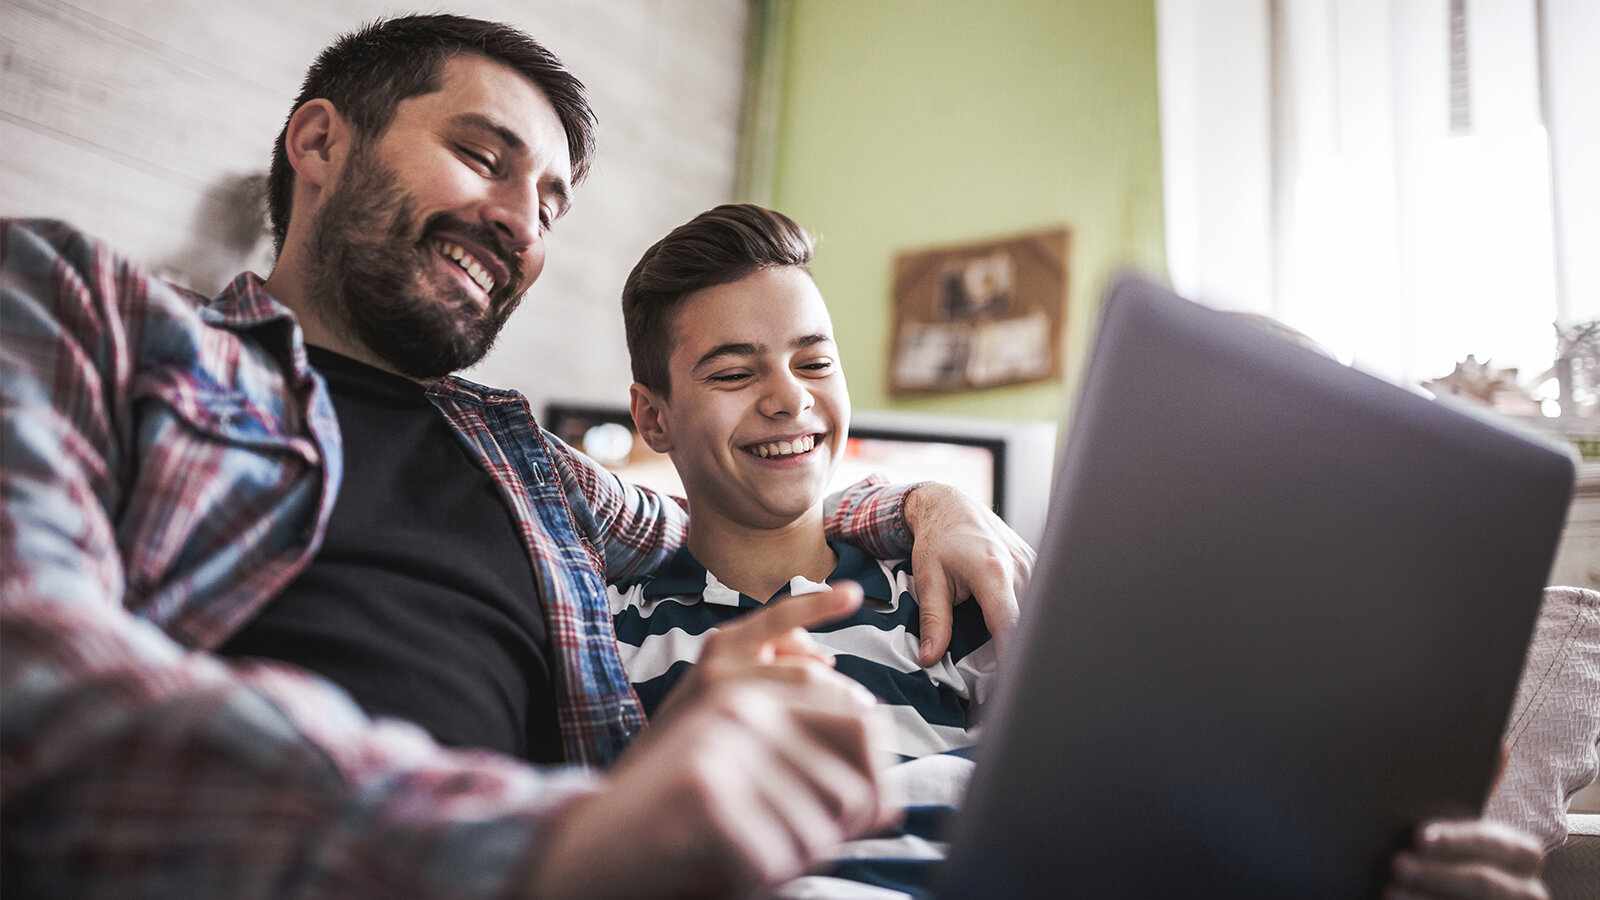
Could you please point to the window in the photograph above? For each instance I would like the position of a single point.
(1407, 181)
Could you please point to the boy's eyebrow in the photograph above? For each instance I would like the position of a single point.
(722, 351)
(515, 144)
(746, 348)
(809, 340)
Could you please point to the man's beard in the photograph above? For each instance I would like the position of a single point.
(373, 278)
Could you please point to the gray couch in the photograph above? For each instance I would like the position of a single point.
(1549, 788)
(1572, 870)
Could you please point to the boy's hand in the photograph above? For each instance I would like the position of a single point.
(1468, 859)
(962, 549)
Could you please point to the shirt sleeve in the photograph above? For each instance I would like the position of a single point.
(871, 515)
(136, 767)
(633, 530)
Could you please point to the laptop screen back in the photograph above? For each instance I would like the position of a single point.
(1277, 619)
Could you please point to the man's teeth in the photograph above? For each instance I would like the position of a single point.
(785, 448)
(467, 264)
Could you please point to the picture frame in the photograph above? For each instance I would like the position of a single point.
(979, 315)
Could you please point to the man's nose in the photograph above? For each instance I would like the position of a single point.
(513, 212)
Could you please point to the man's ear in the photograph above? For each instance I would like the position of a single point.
(649, 417)
(316, 140)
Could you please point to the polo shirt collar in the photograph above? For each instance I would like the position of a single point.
(683, 574)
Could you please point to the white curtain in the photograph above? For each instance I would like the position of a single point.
(1403, 174)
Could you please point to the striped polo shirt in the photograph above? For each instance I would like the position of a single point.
(662, 621)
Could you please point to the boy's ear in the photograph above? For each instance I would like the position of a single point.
(316, 141)
(649, 417)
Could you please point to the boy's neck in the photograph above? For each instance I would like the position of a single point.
(758, 562)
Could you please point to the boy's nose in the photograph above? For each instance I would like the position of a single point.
(788, 396)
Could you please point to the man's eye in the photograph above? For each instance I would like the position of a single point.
(822, 366)
(482, 159)
(730, 377)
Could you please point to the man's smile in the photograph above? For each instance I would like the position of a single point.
(469, 263)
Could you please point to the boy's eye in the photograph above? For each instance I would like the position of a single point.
(820, 366)
(729, 377)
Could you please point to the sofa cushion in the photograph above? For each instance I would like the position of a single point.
(1555, 722)
(1572, 870)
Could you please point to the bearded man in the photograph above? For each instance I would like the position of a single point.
(288, 608)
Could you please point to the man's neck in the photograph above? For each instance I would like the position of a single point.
(287, 285)
(758, 562)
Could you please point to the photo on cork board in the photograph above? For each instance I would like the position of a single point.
(979, 315)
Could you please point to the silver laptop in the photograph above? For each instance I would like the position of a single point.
(1277, 618)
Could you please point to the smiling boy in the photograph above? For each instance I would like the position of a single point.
(738, 380)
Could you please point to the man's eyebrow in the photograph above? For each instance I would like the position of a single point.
(511, 139)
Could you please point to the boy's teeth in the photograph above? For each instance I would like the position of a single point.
(785, 448)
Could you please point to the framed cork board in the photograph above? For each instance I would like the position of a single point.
(979, 315)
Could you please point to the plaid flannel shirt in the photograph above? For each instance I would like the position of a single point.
(168, 465)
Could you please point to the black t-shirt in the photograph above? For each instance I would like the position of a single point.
(422, 602)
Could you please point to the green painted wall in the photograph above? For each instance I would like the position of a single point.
(905, 124)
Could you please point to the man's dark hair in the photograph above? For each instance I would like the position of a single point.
(366, 73)
(719, 246)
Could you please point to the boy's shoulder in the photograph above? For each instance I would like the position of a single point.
(880, 578)
(681, 576)
(891, 581)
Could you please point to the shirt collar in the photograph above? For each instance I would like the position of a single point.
(245, 303)
(683, 574)
(856, 564)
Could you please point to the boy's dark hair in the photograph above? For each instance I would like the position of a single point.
(366, 73)
(719, 246)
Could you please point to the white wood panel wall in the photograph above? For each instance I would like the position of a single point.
(136, 120)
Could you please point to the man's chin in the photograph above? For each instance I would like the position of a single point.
(404, 352)
(424, 330)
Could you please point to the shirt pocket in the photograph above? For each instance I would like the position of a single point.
(221, 489)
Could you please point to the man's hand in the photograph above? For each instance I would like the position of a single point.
(1468, 859)
(762, 760)
(773, 642)
(962, 549)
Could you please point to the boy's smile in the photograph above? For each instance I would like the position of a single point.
(758, 410)
(784, 449)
